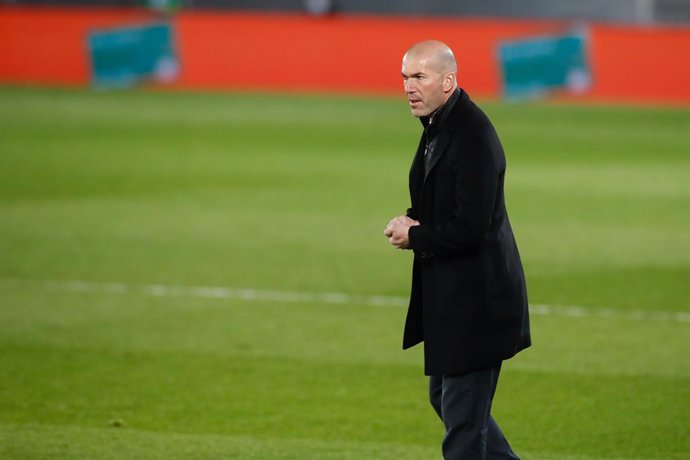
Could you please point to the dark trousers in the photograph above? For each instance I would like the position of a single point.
(463, 402)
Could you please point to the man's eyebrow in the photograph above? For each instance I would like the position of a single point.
(414, 75)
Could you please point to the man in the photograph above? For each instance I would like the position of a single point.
(468, 302)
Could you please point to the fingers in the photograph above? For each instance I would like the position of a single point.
(388, 231)
(402, 220)
(394, 225)
(391, 226)
(399, 244)
(398, 237)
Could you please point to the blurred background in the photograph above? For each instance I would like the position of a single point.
(623, 50)
(192, 203)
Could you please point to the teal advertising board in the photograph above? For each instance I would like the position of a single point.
(537, 66)
(125, 56)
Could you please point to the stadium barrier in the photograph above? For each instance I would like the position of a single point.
(352, 54)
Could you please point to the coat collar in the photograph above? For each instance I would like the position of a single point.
(441, 116)
(449, 118)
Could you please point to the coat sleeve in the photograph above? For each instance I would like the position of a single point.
(476, 172)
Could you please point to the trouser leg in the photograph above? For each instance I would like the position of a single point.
(497, 445)
(465, 407)
(435, 392)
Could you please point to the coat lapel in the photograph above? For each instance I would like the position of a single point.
(438, 149)
(450, 124)
(417, 172)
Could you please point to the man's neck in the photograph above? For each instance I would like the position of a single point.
(432, 117)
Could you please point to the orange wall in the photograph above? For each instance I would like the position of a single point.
(340, 53)
(46, 45)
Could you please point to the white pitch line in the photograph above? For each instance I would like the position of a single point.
(247, 294)
(161, 290)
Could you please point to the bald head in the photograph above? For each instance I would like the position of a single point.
(429, 70)
(437, 55)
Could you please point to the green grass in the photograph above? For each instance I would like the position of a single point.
(291, 193)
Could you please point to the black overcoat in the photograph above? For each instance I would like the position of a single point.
(468, 302)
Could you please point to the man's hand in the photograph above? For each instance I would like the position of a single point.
(397, 231)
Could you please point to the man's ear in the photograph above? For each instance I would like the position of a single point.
(449, 81)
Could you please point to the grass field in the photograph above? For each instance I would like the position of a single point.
(116, 209)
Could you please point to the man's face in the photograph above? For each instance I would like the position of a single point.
(423, 85)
